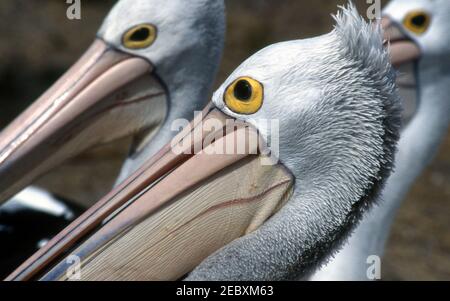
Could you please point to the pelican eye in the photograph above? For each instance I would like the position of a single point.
(140, 36)
(243, 90)
(417, 22)
(244, 96)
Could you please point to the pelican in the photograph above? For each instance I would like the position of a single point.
(335, 99)
(153, 61)
(419, 42)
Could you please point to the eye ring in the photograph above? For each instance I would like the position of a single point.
(139, 36)
(244, 96)
(417, 22)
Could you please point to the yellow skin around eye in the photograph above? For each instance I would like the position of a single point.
(131, 44)
(408, 22)
(249, 106)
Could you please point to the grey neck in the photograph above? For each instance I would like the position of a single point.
(418, 144)
(421, 139)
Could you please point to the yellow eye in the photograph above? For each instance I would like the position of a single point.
(140, 36)
(417, 22)
(244, 96)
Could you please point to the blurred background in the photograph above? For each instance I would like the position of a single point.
(38, 43)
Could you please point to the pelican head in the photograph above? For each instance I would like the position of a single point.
(314, 106)
(152, 61)
(335, 100)
(418, 30)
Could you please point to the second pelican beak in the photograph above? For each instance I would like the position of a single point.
(405, 54)
(104, 96)
(197, 194)
(402, 49)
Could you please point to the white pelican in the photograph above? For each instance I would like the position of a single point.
(335, 99)
(418, 34)
(153, 61)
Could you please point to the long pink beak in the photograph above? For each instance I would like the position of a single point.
(160, 181)
(91, 104)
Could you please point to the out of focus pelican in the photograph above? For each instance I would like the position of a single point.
(153, 61)
(418, 32)
(338, 112)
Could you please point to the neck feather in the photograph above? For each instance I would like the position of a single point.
(421, 139)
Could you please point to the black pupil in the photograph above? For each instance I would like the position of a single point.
(419, 20)
(243, 90)
(140, 34)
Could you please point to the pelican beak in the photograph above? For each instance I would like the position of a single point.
(405, 54)
(402, 49)
(103, 97)
(201, 191)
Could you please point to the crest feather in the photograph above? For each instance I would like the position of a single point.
(360, 40)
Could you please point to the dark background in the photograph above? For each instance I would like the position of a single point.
(38, 43)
